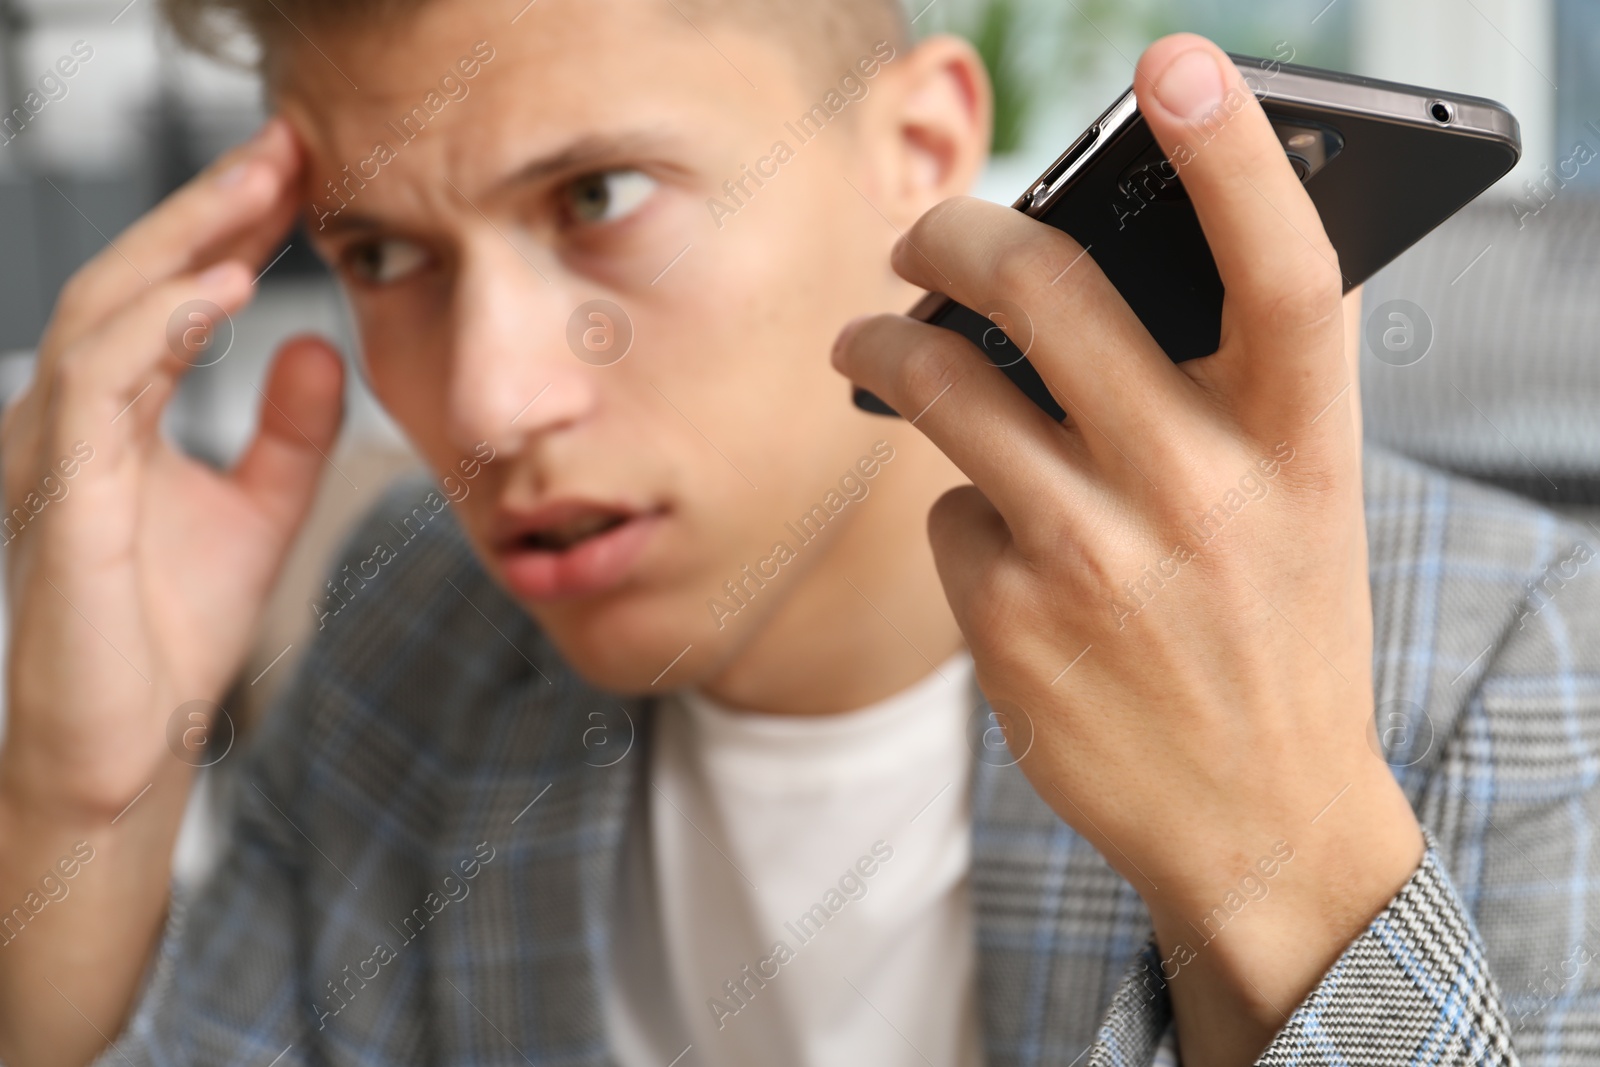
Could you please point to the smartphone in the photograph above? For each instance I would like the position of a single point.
(1384, 163)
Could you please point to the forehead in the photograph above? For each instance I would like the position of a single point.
(462, 85)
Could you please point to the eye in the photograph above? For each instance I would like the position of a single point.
(384, 261)
(608, 195)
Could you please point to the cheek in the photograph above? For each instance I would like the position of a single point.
(404, 358)
(767, 321)
(749, 366)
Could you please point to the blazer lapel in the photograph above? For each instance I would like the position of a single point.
(1057, 928)
(518, 965)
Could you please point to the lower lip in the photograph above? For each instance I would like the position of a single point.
(593, 566)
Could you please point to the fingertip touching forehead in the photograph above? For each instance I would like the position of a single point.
(821, 32)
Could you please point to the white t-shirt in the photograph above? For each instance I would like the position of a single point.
(795, 891)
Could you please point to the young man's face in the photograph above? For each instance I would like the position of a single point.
(572, 160)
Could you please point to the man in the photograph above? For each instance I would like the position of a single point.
(656, 748)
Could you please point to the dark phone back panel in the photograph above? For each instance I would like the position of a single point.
(1386, 187)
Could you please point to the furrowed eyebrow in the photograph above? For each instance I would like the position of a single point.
(586, 153)
(590, 152)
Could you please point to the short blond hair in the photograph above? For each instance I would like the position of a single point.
(833, 33)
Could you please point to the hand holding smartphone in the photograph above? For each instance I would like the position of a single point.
(1384, 163)
(1167, 593)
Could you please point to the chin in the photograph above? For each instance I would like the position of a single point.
(636, 644)
(623, 606)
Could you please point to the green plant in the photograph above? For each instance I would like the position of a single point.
(996, 37)
(1040, 52)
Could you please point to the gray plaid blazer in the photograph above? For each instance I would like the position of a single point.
(429, 831)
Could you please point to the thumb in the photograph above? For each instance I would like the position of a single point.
(1278, 268)
(301, 410)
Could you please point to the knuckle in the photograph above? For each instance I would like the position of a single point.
(1019, 267)
(929, 368)
(934, 221)
(1001, 593)
(917, 248)
(1098, 582)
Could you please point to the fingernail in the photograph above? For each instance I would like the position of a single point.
(217, 276)
(1191, 86)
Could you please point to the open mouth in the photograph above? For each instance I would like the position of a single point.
(559, 538)
(574, 548)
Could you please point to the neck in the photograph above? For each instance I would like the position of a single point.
(868, 617)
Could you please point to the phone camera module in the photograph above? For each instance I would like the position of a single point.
(1443, 113)
(1309, 147)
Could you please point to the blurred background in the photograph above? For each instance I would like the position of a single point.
(1508, 391)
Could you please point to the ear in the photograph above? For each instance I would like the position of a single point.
(933, 117)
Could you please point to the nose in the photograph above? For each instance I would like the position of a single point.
(513, 372)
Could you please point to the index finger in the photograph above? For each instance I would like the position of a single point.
(237, 191)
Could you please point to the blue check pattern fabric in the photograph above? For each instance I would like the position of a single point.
(426, 848)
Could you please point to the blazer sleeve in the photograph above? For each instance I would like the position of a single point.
(1490, 953)
(222, 986)
(1414, 987)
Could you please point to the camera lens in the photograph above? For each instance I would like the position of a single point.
(1442, 112)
